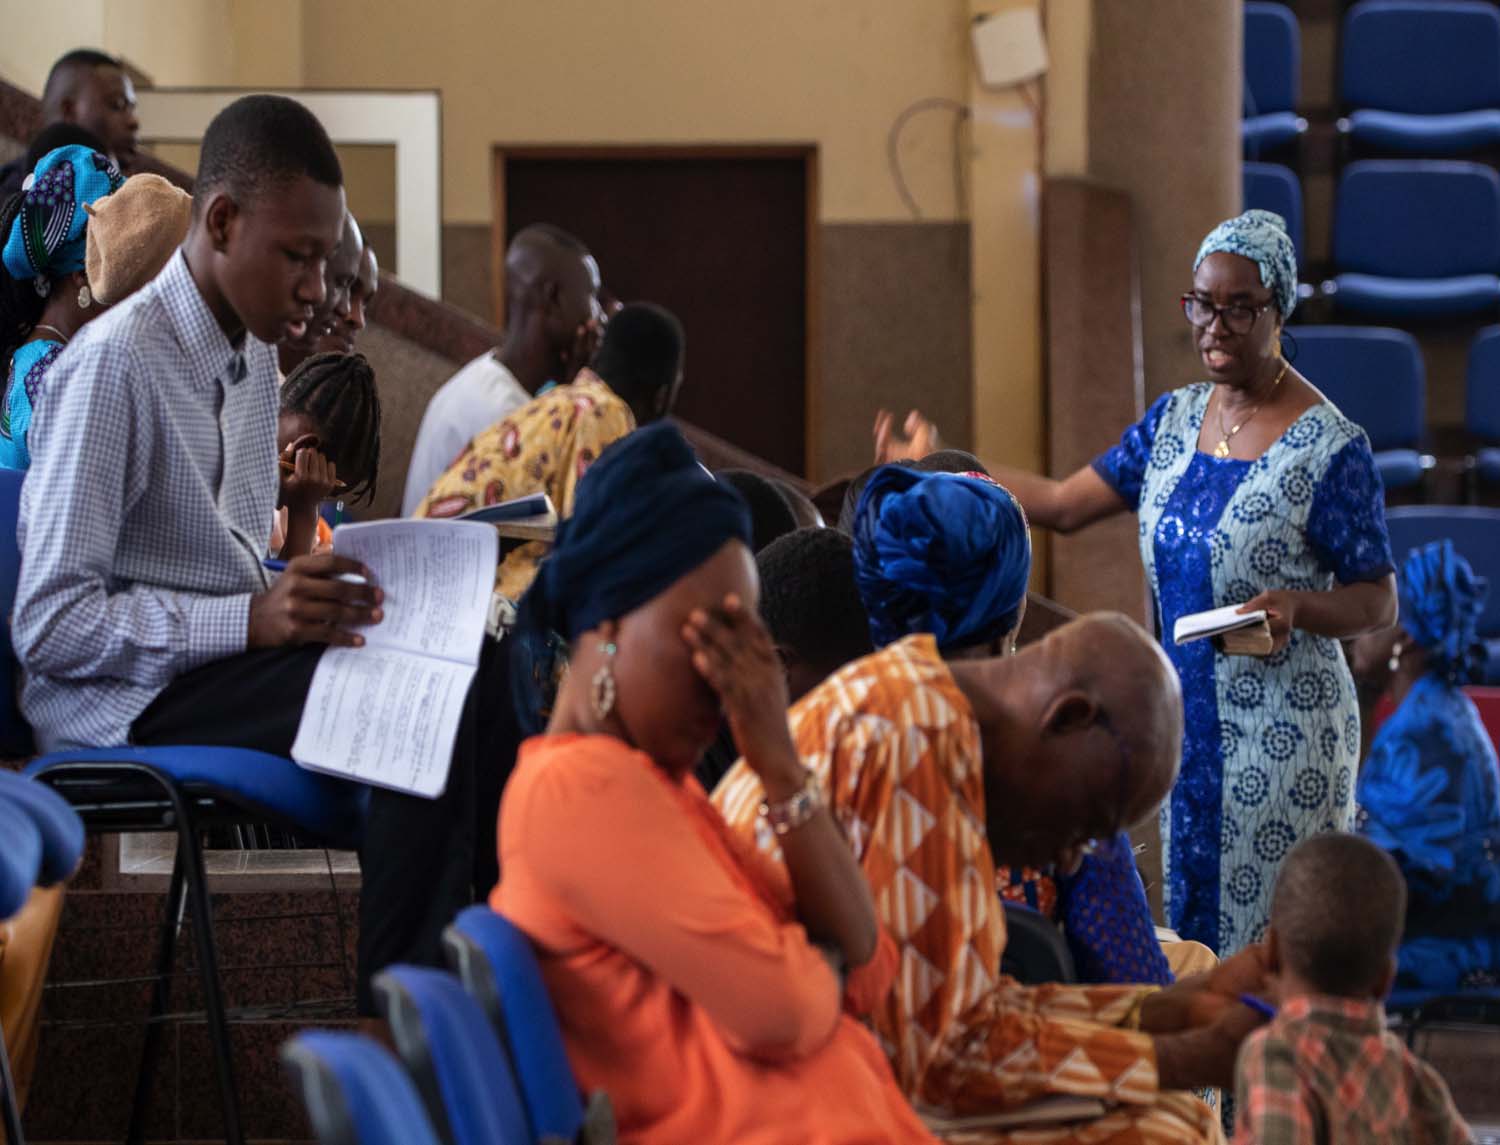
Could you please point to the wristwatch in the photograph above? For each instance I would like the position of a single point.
(786, 815)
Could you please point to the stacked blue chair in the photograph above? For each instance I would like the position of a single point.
(1416, 239)
(1273, 63)
(1376, 378)
(355, 1092)
(1421, 77)
(1482, 404)
(453, 1052)
(1475, 533)
(1274, 187)
(497, 966)
(184, 790)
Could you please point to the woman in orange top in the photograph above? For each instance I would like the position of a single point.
(685, 991)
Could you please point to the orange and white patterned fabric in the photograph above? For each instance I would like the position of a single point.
(896, 748)
(546, 446)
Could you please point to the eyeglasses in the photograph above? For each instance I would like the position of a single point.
(1237, 317)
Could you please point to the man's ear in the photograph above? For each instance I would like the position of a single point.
(1388, 980)
(219, 219)
(1073, 711)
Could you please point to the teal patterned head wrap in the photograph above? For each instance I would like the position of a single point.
(46, 241)
(1261, 237)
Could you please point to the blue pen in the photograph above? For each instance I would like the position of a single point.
(1264, 1009)
(277, 566)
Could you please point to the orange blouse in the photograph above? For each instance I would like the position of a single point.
(683, 991)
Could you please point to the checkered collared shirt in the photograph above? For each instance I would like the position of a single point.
(145, 514)
(1327, 1072)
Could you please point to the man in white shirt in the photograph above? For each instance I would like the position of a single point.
(552, 328)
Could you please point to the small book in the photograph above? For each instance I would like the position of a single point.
(388, 713)
(529, 518)
(1237, 633)
(1057, 1109)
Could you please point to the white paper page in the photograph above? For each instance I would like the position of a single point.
(1213, 622)
(383, 717)
(437, 577)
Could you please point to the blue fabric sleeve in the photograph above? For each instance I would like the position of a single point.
(1107, 920)
(1346, 523)
(1123, 466)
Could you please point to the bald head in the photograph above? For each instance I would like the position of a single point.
(1082, 736)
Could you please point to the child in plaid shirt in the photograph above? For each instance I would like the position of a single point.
(1326, 1071)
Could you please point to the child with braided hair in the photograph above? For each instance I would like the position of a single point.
(328, 438)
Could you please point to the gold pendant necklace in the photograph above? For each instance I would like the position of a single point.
(1221, 451)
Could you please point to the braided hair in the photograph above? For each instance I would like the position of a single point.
(337, 393)
(20, 305)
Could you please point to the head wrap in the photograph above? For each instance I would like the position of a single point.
(940, 553)
(1260, 236)
(645, 515)
(46, 241)
(1441, 602)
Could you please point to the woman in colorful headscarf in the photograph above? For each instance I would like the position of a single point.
(1429, 792)
(687, 989)
(45, 296)
(1253, 492)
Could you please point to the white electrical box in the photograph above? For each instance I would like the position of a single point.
(1009, 48)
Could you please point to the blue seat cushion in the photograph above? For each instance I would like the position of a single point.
(20, 857)
(1399, 468)
(1487, 465)
(355, 1090)
(1416, 297)
(268, 787)
(58, 825)
(1268, 132)
(1399, 132)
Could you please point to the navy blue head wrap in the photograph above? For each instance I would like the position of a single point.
(645, 515)
(1441, 602)
(942, 553)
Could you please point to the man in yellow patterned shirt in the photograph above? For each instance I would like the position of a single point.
(936, 769)
(549, 443)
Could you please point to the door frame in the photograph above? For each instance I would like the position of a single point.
(806, 152)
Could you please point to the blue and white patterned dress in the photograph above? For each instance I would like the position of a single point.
(1272, 744)
(23, 387)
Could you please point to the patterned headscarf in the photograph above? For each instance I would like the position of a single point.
(1441, 602)
(940, 553)
(1260, 236)
(46, 241)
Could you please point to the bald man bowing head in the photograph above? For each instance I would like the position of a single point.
(939, 770)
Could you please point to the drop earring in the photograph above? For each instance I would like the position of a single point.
(85, 297)
(1394, 663)
(602, 689)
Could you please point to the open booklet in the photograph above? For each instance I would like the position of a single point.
(529, 518)
(1051, 1110)
(1239, 634)
(388, 713)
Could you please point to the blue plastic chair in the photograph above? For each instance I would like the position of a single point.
(454, 1053)
(496, 964)
(1421, 77)
(1273, 63)
(1482, 403)
(1475, 533)
(1376, 377)
(1274, 187)
(180, 789)
(355, 1092)
(1416, 239)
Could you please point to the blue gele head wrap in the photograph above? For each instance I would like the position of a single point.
(1441, 602)
(942, 553)
(645, 515)
(46, 241)
(1260, 236)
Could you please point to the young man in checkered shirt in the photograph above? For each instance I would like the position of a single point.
(1326, 1071)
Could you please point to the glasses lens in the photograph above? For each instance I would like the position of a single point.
(1198, 312)
(1239, 319)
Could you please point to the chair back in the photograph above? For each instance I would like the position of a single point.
(1482, 386)
(1423, 57)
(1428, 218)
(1274, 187)
(20, 857)
(1373, 374)
(354, 1091)
(58, 826)
(1035, 950)
(1273, 58)
(15, 736)
(450, 1047)
(1475, 533)
(495, 961)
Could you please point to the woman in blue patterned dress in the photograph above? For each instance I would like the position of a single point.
(44, 293)
(1429, 792)
(1251, 489)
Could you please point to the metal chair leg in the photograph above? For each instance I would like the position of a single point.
(10, 1105)
(161, 995)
